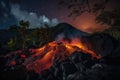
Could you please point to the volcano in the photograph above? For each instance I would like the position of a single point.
(68, 31)
(66, 42)
(71, 53)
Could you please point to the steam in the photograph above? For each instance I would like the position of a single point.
(32, 17)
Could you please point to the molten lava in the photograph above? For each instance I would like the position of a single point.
(44, 57)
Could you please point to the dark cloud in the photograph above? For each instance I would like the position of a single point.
(11, 13)
(6, 18)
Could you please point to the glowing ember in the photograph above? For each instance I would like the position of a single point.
(23, 56)
(44, 57)
(13, 63)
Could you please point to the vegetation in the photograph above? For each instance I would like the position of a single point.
(98, 8)
(78, 7)
(26, 37)
(114, 32)
(111, 18)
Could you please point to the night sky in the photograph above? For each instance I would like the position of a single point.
(51, 10)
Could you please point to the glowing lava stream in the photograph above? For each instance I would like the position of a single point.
(44, 57)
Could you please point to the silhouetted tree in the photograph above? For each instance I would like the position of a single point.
(24, 32)
(36, 37)
(111, 18)
(77, 7)
(47, 33)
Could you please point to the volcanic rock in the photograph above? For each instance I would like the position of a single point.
(102, 44)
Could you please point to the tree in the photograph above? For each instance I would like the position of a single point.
(36, 37)
(77, 7)
(111, 18)
(24, 32)
(47, 33)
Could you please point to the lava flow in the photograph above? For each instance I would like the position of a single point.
(44, 57)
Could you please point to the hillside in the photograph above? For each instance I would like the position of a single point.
(70, 54)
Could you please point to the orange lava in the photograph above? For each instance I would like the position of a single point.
(13, 63)
(46, 55)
